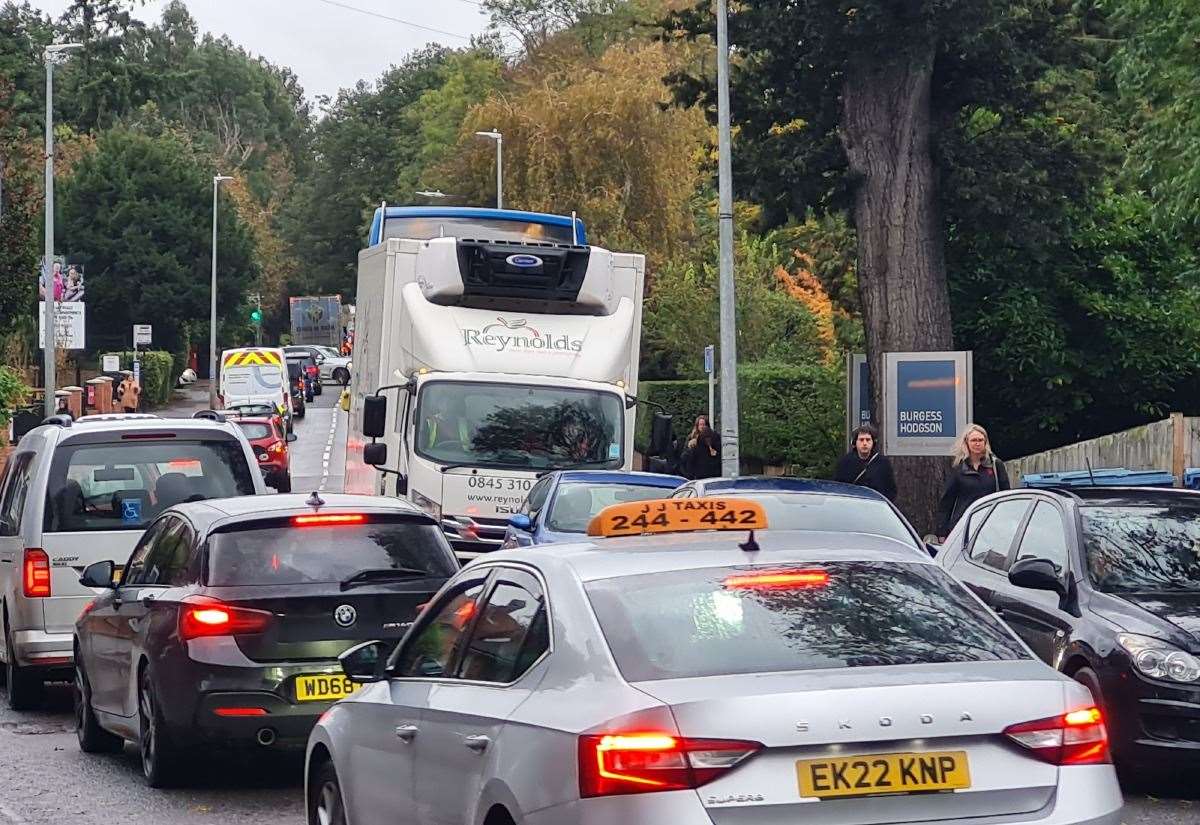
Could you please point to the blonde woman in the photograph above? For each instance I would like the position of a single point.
(975, 474)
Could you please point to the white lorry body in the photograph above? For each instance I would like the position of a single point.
(515, 359)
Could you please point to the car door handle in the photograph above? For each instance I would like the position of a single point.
(406, 733)
(477, 743)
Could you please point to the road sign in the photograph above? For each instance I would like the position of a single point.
(142, 334)
(111, 363)
(137, 372)
(709, 353)
(927, 401)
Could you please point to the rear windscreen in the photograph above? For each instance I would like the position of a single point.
(302, 555)
(124, 484)
(766, 619)
(837, 514)
(254, 430)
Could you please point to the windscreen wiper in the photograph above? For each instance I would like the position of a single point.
(383, 574)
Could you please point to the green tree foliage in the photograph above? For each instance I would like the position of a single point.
(137, 213)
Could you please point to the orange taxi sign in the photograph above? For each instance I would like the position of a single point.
(678, 515)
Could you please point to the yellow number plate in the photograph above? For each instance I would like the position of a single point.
(883, 773)
(327, 687)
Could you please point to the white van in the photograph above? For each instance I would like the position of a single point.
(256, 375)
(75, 492)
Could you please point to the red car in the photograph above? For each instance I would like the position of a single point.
(270, 445)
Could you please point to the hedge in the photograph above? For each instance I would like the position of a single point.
(158, 374)
(791, 415)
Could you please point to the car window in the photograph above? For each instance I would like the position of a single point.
(255, 430)
(431, 652)
(135, 568)
(1045, 538)
(16, 491)
(168, 562)
(276, 552)
(1151, 547)
(122, 485)
(751, 619)
(995, 537)
(536, 499)
(575, 503)
(830, 513)
(684, 492)
(512, 631)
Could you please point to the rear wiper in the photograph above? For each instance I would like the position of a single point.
(383, 574)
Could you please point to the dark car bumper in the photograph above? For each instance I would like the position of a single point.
(1153, 725)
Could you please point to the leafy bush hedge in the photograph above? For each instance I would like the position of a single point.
(791, 415)
(158, 374)
(13, 392)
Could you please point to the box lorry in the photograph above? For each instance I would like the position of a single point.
(317, 320)
(494, 348)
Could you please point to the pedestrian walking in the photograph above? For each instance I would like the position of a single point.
(129, 392)
(866, 466)
(702, 454)
(976, 473)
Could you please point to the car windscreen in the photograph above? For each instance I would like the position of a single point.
(1143, 549)
(283, 553)
(124, 484)
(757, 619)
(575, 503)
(833, 513)
(254, 430)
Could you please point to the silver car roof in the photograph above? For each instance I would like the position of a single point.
(604, 558)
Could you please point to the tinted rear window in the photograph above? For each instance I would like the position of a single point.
(833, 513)
(123, 485)
(283, 554)
(706, 623)
(254, 430)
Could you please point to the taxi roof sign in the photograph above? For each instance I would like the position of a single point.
(678, 515)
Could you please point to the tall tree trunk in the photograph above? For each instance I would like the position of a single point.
(901, 264)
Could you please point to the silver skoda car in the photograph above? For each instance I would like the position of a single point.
(829, 679)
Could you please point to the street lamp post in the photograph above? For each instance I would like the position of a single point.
(52, 55)
(499, 138)
(730, 452)
(212, 316)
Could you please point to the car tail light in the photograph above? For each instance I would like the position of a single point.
(202, 616)
(277, 447)
(778, 580)
(628, 763)
(335, 518)
(1075, 738)
(36, 578)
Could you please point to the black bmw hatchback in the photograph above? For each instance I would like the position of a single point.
(224, 626)
(1104, 584)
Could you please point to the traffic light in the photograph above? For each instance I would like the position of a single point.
(256, 316)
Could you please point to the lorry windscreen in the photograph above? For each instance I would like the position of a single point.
(424, 229)
(519, 426)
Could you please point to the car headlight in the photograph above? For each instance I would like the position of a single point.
(1160, 660)
(428, 505)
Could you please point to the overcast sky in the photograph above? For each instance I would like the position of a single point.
(325, 43)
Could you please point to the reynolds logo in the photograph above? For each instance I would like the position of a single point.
(516, 335)
(524, 261)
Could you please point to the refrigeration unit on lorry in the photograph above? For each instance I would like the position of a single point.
(502, 352)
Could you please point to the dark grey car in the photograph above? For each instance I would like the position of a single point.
(225, 626)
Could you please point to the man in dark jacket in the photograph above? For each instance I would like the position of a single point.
(866, 466)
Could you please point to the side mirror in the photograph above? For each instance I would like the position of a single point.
(375, 454)
(374, 416)
(661, 431)
(98, 574)
(292, 437)
(522, 522)
(366, 662)
(1037, 574)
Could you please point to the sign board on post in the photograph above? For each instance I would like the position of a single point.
(110, 363)
(858, 392)
(137, 372)
(142, 334)
(68, 324)
(927, 400)
(710, 359)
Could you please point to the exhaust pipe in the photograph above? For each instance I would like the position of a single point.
(265, 737)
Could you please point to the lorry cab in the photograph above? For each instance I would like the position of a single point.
(489, 361)
(256, 375)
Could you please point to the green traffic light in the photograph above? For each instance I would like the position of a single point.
(256, 316)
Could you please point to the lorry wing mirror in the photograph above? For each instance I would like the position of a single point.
(661, 430)
(375, 454)
(374, 416)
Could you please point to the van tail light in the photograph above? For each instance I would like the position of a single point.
(36, 578)
(629, 763)
(1075, 738)
(201, 616)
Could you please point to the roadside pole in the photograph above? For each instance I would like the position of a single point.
(730, 452)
